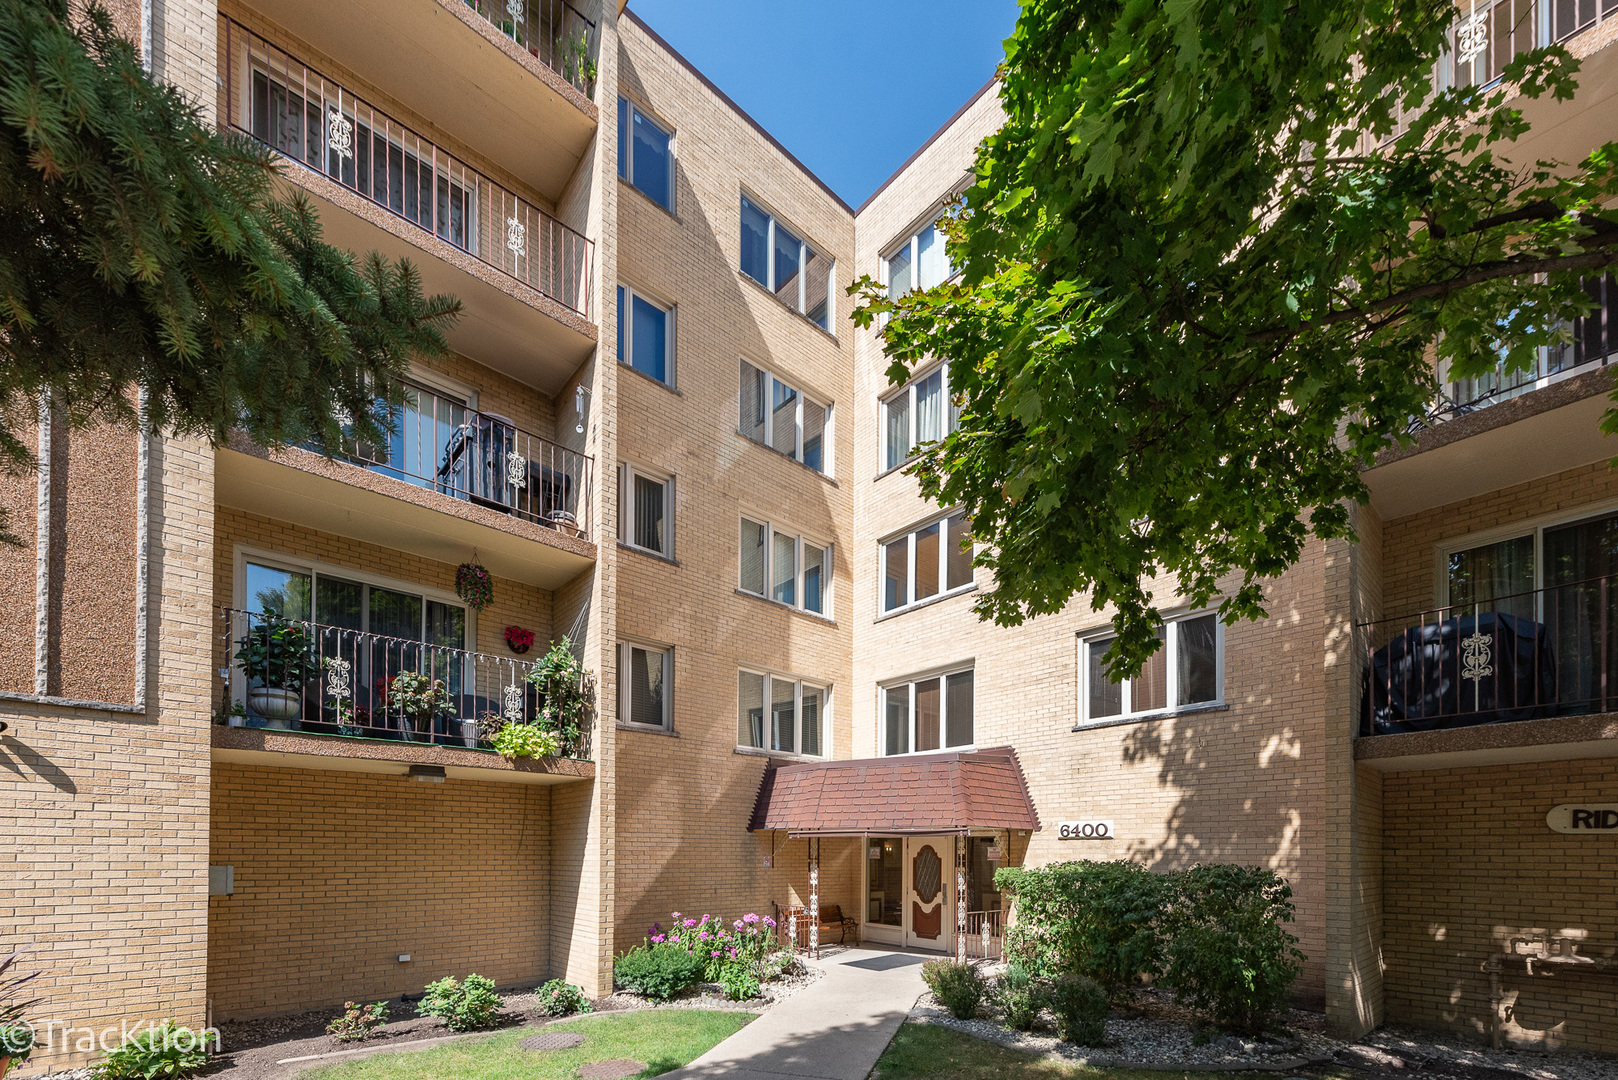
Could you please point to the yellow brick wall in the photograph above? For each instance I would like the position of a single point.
(1468, 861)
(337, 874)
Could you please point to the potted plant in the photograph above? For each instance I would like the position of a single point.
(276, 658)
(419, 698)
(519, 640)
(567, 692)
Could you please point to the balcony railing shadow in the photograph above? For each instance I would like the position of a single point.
(298, 675)
(1548, 652)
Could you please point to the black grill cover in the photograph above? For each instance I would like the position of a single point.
(1418, 681)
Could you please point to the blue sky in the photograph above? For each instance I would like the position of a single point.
(851, 87)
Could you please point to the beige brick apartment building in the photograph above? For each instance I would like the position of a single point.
(663, 436)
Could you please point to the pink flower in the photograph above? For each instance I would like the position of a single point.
(769, 921)
(715, 953)
(676, 914)
(749, 918)
(703, 936)
(690, 923)
(657, 939)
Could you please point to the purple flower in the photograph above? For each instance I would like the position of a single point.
(749, 918)
(703, 936)
(769, 921)
(690, 923)
(657, 939)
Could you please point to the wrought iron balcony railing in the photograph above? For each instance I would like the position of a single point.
(440, 444)
(335, 680)
(553, 31)
(1546, 652)
(318, 124)
(1488, 35)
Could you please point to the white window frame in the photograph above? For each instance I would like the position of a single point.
(909, 390)
(1171, 647)
(940, 676)
(770, 678)
(804, 246)
(1536, 527)
(800, 541)
(624, 708)
(627, 160)
(942, 521)
(626, 330)
(627, 472)
(769, 418)
(913, 243)
(316, 569)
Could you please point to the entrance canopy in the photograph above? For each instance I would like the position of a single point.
(923, 793)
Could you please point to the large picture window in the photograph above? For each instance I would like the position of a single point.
(784, 567)
(1187, 671)
(779, 713)
(928, 714)
(922, 412)
(778, 415)
(645, 154)
(926, 562)
(775, 257)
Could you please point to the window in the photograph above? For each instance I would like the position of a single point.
(780, 417)
(786, 568)
(1187, 670)
(645, 675)
(928, 562)
(647, 520)
(773, 256)
(920, 413)
(919, 263)
(934, 713)
(796, 719)
(645, 155)
(645, 335)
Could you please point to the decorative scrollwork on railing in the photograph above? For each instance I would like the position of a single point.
(1475, 658)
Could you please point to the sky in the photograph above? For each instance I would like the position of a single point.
(851, 87)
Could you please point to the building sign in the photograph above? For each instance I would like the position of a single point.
(876, 851)
(994, 854)
(1584, 819)
(1084, 830)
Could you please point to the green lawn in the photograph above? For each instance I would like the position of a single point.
(930, 1052)
(664, 1039)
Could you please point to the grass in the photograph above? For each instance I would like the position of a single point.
(931, 1052)
(664, 1039)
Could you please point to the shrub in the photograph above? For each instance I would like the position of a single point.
(517, 740)
(740, 982)
(1080, 1005)
(462, 1006)
(1228, 954)
(958, 987)
(561, 998)
(658, 971)
(358, 1021)
(746, 940)
(165, 1052)
(1097, 919)
(1020, 997)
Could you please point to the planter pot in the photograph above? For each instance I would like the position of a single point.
(5, 1065)
(416, 729)
(469, 733)
(231, 720)
(278, 706)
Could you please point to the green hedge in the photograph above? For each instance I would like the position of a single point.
(1215, 935)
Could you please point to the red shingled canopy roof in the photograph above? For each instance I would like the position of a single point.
(932, 793)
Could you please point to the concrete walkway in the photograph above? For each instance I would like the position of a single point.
(834, 1029)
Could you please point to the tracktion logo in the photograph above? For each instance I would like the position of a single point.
(65, 1036)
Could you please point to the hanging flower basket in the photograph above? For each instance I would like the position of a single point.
(474, 585)
(519, 640)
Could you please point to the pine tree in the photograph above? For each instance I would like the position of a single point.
(151, 274)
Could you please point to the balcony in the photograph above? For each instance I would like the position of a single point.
(1542, 664)
(509, 88)
(330, 706)
(380, 184)
(450, 479)
(1503, 429)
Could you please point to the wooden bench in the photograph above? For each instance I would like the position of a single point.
(831, 918)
